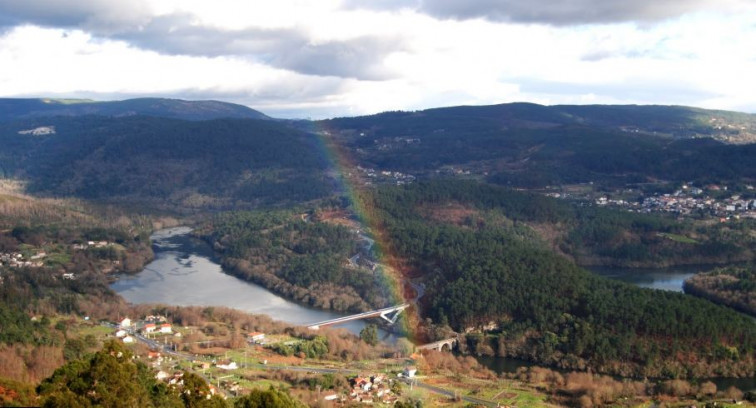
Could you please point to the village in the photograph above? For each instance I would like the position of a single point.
(232, 372)
(687, 201)
(385, 176)
(31, 257)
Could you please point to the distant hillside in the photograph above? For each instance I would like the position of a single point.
(533, 146)
(678, 122)
(138, 149)
(173, 164)
(11, 109)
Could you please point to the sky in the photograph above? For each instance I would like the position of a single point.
(327, 58)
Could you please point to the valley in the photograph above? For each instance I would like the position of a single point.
(480, 218)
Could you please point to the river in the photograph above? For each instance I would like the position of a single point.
(670, 279)
(186, 272)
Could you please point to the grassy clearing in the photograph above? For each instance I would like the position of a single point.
(678, 238)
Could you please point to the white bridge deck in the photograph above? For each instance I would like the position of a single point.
(383, 313)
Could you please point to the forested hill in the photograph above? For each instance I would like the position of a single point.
(223, 163)
(11, 109)
(660, 120)
(534, 146)
(142, 148)
(481, 264)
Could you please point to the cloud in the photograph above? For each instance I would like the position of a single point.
(287, 48)
(552, 12)
(183, 34)
(100, 15)
(630, 90)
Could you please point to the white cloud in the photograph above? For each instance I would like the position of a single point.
(304, 58)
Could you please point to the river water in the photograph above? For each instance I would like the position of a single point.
(670, 279)
(186, 272)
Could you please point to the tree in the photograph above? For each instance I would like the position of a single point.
(108, 378)
(272, 398)
(405, 346)
(196, 393)
(111, 378)
(369, 334)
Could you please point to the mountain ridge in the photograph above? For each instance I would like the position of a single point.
(21, 108)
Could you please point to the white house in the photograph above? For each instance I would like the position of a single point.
(256, 336)
(126, 322)
(162, 375)
(148, 328)
(166, 328)
(230, 366)
(121, 333)
(128, 340)
(410, 372)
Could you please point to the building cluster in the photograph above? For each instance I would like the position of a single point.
(38, 131)
(150, 325)
(93, 244)
(176, 380)
(367, 390)
(18, 260)
(386, 176)
(687, 202)
(685, 205)
(453, 171)
(387, 144)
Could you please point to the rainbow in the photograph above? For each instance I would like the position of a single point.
(350, 183)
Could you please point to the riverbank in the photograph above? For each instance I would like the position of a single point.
(186, 272)
(733, 287)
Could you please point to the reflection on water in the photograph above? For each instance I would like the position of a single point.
(670, 279)
(185, 273)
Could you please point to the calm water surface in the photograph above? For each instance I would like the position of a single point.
(670, 279)
(186, 273)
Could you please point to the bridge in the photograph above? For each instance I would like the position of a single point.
(439, 345)
(389, 314)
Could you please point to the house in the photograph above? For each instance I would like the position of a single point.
(166, 328)
(126, 322)
(153, 354)
(121, 333)
(409, 372)
(148, 328)
(162, 375)
(362, 383)
(331, 397)
(128, 340)
(256, 337)
(177, 378)
(228, 366)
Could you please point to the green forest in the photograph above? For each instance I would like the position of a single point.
(298, 259)
(549, 310)
(167, 163)
(533, 146)
(734, 286)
